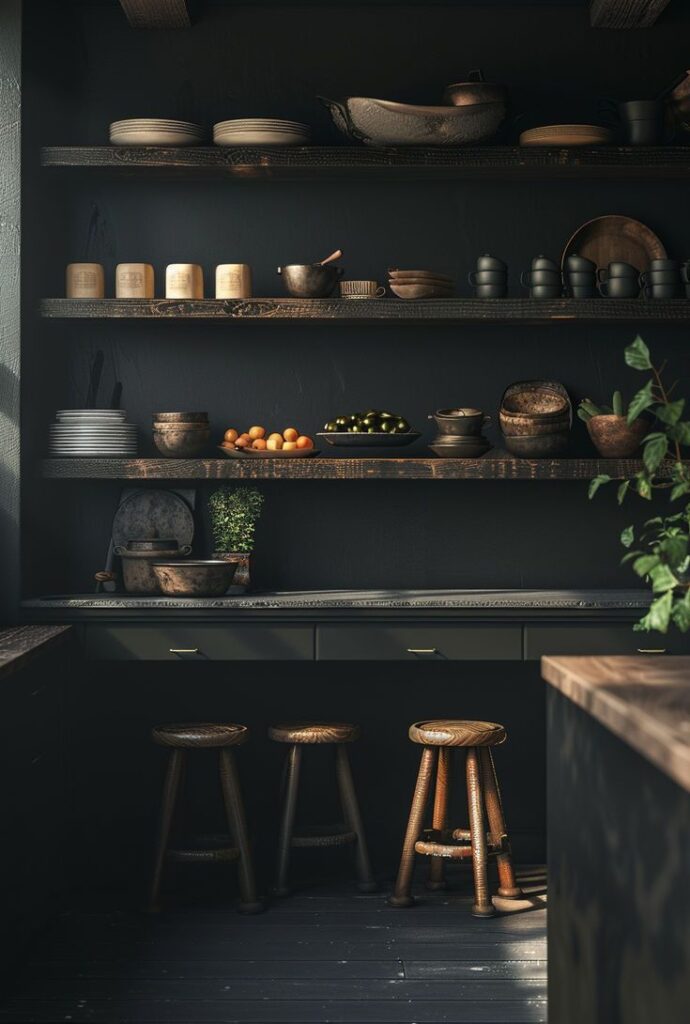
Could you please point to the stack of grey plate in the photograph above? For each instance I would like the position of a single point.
(152, 131)
(260, 131)
(103, 433)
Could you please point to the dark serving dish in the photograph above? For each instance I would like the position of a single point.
(250, 453)
(348, 439)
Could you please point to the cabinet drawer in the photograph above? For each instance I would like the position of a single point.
(604, 639)
(197, 643)
(422, 642)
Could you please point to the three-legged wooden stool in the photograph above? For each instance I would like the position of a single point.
(352, 831)
(442, 842)
(181, 738)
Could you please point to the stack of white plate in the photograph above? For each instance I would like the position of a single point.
(100, 432)
(151, 131)
(260, 131)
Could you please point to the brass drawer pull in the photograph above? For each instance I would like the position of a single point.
(184, 650)
(651, 650)
(422, 650)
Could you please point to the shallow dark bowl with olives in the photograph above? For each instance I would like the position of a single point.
(372, 428)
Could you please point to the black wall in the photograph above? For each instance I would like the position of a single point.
(84, 67)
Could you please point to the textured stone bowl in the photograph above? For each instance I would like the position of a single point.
(211, 578)
(181, 440)
(615, 438)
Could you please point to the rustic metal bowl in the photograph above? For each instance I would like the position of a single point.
(310, 280)
(542, 446)
(476, 90)
(385, 123)
(614, 437)
(538, 402)
(460, 422)
(137, 563)
(460, 447)
(210, 578)
(181, 442)
(532, 426)
(180, 417)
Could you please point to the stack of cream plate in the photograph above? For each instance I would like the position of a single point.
(260, 131)
(93, 432)
(151, 131)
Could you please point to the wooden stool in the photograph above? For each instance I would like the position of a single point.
(181, 738)
(482, 789)
(352, 831)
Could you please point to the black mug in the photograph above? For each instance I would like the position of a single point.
(575, 264)
(488, 262)
(620, 288)
(545, 291)
(643, 122)
(530, 278)
(490, 291)
(487, 277)
(617, 268)
(661, 291)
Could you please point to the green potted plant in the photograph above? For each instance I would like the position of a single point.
(660, 554)
(613, 436)
(235, 512)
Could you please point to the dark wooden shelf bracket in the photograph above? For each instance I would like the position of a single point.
(157, 13)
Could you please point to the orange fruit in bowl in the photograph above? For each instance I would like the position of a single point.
(256, 432)
(290, 446)
(258, 444)
(290, 434)
(274, 443)
(231, 435)
(304, 442)
(243, 441)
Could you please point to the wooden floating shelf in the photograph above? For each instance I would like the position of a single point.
(250, 162)
(335, 468)
(374, 311)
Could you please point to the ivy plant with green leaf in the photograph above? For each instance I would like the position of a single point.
(659, 554)
(235, 512)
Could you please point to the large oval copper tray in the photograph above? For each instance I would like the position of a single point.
(616, 238)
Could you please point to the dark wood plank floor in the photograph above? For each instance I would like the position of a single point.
(325, 955)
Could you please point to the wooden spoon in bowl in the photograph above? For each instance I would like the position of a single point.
(332, 258)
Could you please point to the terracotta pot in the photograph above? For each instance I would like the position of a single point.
(241, 580)
(614, 437)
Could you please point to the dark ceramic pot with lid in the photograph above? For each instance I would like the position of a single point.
(138, 557)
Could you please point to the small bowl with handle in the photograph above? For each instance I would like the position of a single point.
(620, 288)
(476, 277)
(463, 422)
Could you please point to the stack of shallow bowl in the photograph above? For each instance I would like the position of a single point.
(100, 433)
(536, 417)
(260, 131)
(460, 434)
(181, 435)
(420, 284)
(150, 131)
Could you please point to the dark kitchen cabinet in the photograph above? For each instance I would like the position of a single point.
(213, 643)
(603, 639)
(415, 642)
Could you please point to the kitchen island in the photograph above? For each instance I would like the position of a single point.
(618, 737)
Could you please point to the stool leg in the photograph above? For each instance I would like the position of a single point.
(171, 788)
(497, 826)
(440, 819)
(483, 907)
(401, 894)
(234, 810)
(292, 767)
(353, 819)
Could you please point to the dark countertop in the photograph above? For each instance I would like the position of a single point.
(645, 701)
(348, 600)
(18, 644)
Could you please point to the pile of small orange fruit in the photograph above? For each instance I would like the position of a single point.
(255, 438)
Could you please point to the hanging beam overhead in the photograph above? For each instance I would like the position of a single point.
(625, 13)
(157, 13)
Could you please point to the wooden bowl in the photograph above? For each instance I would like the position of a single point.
(615, 438)
(538, 402)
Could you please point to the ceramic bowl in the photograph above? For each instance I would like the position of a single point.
(211, 578)
(385, 123)
(310, 280)
(460, 447)
(183, 441)
(615, 438)
(542, 446)
(420, 291)
(459, 422)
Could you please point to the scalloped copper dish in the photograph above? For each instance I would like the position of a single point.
(606, 239)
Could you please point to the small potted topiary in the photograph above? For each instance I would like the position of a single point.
(609, 427)
(235, 512)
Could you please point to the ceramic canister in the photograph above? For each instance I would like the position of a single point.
(134, 281)
(85, 281)
(184, 281)
(233, 281)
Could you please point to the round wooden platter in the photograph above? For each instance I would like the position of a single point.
(249, 453)
(614, 237)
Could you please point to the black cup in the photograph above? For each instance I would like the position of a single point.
(685, 273)
(661, 277)
(544, 263)
(488, 262)
(575, 264)
(545, 291)
(583, 291)
(579, 277)
(661, 291)
(490, 291)
(540, 277)
(617, 269)
(487, 277)
(655, 265)
(620, 288)
(643, 122)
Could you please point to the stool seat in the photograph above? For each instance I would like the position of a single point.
(200, 734)
(457, 733)
(314, 732)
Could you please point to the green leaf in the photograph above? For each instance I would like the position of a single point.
(622, 491)
(644, 487)
(630, 555)
(680, 613)
(680, 489)
(680, 432)
(662, 579)
(655, 452)
(659, 613)
(674, 549)
(671, 412)
(597, 482)
(641, 401)
(643, 565)
(617, 402)
(628, 536)
(637, 355)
